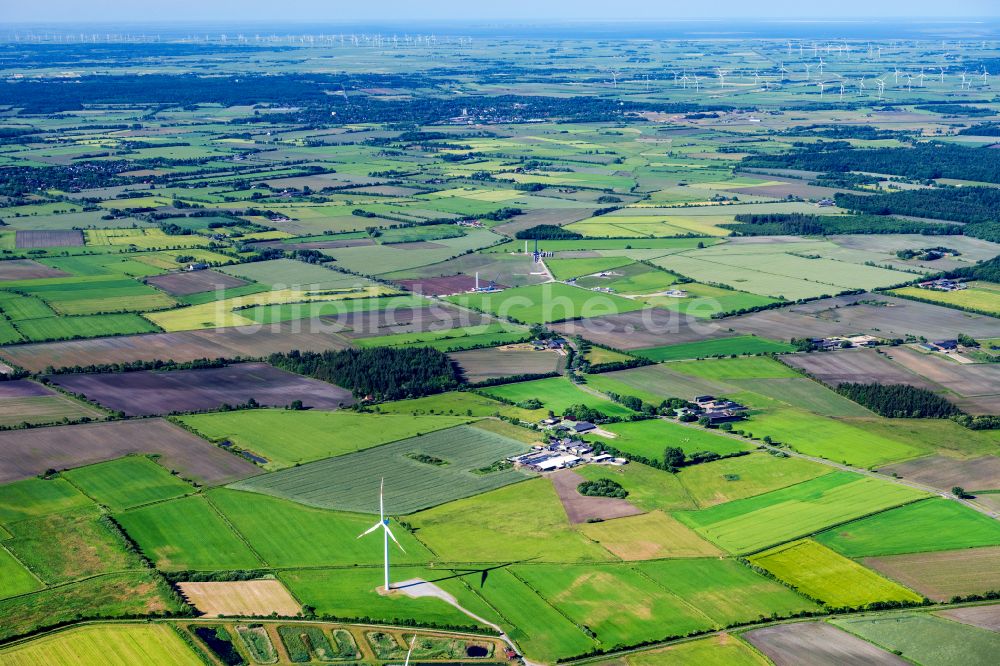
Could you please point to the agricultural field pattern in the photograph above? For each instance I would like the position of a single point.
(623, 344)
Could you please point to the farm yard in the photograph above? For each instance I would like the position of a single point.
(575, 337)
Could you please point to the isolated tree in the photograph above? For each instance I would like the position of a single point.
(673, 457)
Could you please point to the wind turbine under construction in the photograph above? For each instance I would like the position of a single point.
(387, 534)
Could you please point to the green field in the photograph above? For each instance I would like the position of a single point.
(105, 645)
(475, 341)
(648, 536)
(35, 497)
(424, 233)
(567, 269)
(754, 523)
(382, 259)
(62, 547)
(279, 312)
(556, 394)
(351, 593)
(546, 303)
(934, 524)
(634, 278)
(291, 274)
(705, 301)
(833, 579)
(616, 602)
(458, 403)
(981, 296)
(649, 438)
(926, 639)
(127, 482)
(836, 440)
(666, 244)
(350, 482)
(800, 392)
(187, 533)
(723, 589)
(535, 528)
(453, 336)
(774, 271)
(648, 488)
(740, 345)
(735, 368)
(88, 326)
(287, 438)
(112, 595)
(532, 621)
(721, 650)
(16, 578)
(731, 479)
(288, 534)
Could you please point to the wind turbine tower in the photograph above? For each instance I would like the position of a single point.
(387, 534)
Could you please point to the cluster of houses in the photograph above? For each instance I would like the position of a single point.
(716, 410)
(845, 342)
(563, 453)
(944, 284)
(475, 224)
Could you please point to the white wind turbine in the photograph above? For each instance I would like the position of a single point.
(387, 534)
(808, 71)
(410, 651)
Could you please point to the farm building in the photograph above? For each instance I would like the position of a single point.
(944, 284)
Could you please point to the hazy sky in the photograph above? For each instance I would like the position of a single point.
(473, 10)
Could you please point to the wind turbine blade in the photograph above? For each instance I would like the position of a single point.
(381, 501)
(410, 651)
(392, 536)
(370, 529)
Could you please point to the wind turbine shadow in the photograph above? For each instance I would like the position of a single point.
(459, 573)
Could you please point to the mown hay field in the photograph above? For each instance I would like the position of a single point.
(833, 579)
(756, 522)
(105, 645)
